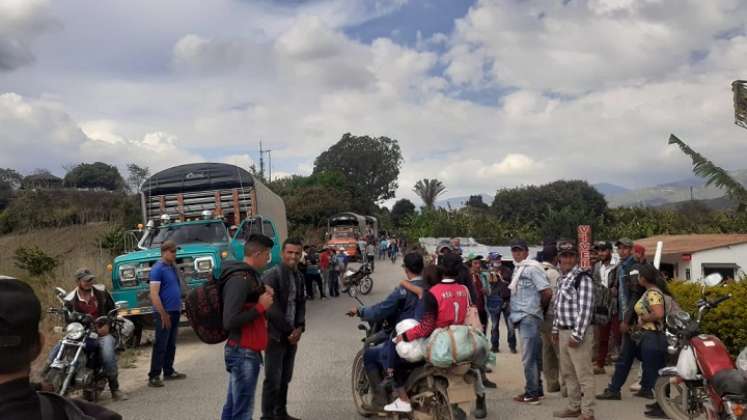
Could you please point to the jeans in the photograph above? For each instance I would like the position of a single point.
(164, 346)
(312, 278)
(531, 355)
(243, 370)
(279, 361)
(107, 356)
(651, 351)
(495, 309)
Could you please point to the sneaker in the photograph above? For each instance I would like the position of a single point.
(398, 406)
(513, 351)
(487, 383)
(609, 395)
(523, 398)
(119, 396)
(635, 387)
(174, 376)
(647, 394)
(494, 349)
(656, 413)
(652, 406)
(599, 371)
(287, 416)
(155, 382)
(567, 414)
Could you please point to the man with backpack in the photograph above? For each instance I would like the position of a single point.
(20, 344)
(245, 301)
(606, 331)
(573, 331)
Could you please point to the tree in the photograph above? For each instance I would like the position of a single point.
(402, 210)
(10, 180)
(369, 166)
(713, 174)
(476, 202)
(137, 174)
(428, 190)
(95, 175)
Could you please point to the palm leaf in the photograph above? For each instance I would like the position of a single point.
(713, 174)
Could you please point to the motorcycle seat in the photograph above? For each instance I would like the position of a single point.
(731, 383)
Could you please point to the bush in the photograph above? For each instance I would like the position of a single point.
(35, 261)
(728, 321)
(113, 240)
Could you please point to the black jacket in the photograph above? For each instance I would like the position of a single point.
(278, 278)
(241, 286)
(103, 299)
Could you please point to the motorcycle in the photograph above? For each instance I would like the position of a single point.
(705, 380)
(435, 393)
(360, 280)
(76, 365)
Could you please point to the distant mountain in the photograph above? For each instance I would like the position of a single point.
(456, 203)
(672, 192)
(606, 189)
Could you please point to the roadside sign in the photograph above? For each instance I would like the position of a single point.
(584, 246)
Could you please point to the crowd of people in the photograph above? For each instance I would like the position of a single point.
(572, 322)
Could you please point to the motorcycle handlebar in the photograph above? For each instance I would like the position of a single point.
(721, 300)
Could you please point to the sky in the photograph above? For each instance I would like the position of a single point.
(482, 94)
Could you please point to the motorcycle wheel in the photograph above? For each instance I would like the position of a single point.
(366, 285)
(670, 398)
(439, 407)
(360, 387)
(55, 378)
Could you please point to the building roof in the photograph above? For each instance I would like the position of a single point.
(690, 244)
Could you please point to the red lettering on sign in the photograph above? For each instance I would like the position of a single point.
(584, 246)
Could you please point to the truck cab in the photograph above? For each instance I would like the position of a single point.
(195, 205)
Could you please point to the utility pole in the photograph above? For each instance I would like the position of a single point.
(262, 161)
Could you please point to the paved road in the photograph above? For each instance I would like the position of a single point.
(321, 385)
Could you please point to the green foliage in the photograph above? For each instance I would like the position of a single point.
(728, 321)
(369, 166)
(428, 190)
(10, 180)
(401, 211)
(442, 223)
(33, 260)
(553, 209)
(113, 240)
(6, 194)
(96, 175)
(475, 202)
(713, 174)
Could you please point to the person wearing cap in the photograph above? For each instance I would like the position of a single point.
(399, 305)
(480, 283)
(166, 296)
(608, 331)
(499, 302)
(628, 293)
(550, 350)
(530, 295)
(21, 342)
(93, 299)
(573, 331)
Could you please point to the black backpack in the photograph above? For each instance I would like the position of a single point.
(601, 304)
(204, 308)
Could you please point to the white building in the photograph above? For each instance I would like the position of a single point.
(692, 257)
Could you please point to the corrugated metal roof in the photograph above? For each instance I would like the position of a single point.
(689, 244)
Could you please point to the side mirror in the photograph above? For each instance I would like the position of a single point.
(121, 304)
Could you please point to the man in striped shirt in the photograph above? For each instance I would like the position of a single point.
(573, 332)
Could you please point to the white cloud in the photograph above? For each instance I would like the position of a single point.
(21, 22)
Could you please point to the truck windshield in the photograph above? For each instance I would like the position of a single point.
(186, 234)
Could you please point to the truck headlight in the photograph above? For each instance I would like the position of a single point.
(127, 276)
(203, 264)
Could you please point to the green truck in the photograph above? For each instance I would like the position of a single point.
(209, 210)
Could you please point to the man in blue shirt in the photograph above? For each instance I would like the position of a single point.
(166, 296)
(530, 295)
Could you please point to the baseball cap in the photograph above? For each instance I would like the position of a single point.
(625, 242)
(494, 256)
(519, 243)
(600, 245)
(20, 313)
(84, 274)
(413, 262)
(567, 247)
(443, 245)
(472, 256)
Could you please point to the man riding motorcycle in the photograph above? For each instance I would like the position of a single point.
(93, 299)
(399, 305)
